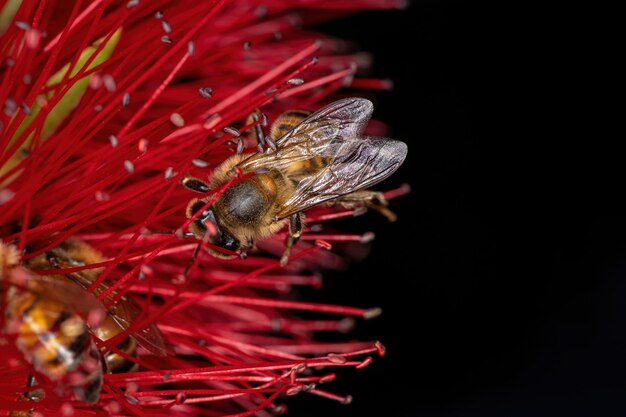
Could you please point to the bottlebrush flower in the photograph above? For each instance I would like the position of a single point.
(106, 105)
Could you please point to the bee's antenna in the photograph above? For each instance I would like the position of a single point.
(172, 232)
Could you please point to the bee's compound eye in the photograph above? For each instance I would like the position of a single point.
(194, 206)
(197, 205)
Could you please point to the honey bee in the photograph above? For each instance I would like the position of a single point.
(47, 318)
(52, 318)
(317, 158)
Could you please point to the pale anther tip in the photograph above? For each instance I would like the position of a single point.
(372, 313)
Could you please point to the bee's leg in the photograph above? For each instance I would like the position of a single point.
(194, 184)
(35, 395)
(255, 116)
(295, 231)
(192, 261)
(245, 248)
(374, 200)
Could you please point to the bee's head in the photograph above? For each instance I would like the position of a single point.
(207, 223)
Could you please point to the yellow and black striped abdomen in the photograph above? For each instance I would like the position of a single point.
(56, 342)
(287, 121)
(54, 338)
(115, 363)
(75, 252)
(298, 169)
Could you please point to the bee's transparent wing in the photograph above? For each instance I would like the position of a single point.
(123, 312)
(66, 293)
(344, 118)
(354, 163)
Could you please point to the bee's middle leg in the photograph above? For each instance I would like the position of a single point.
(295, 231)
(258, 129)
(374, 200)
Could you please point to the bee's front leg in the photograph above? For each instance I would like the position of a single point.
(192, 261)
(295, 231)
(195, 184)
(374, 200)
(245, 248)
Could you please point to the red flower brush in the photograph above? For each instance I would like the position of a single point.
(116, 303)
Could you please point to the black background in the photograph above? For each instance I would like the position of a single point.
(503, 284)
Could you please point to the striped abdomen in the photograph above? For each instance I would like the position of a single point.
(56, 342)
(287, 121)
(116, 364)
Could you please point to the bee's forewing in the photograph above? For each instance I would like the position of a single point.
(354, 163)
(68, 294)
(124, 312)
(344, 118)
(332, 135)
